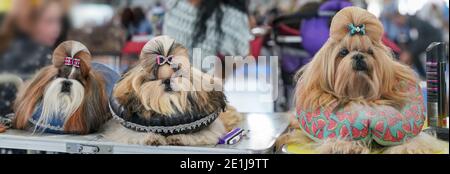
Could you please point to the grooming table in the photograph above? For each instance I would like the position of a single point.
(264, 129)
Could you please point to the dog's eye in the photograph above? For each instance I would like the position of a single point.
(370, 52)
(61, 73)
(343, 52)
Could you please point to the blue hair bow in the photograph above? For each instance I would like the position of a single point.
(361, 29)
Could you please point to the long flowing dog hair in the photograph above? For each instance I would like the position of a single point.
(328, 78)
(84, 110)
(151, 89)
(356, 71)
(141, 88)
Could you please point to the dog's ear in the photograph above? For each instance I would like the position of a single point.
(30, 94)
(392, 75)
(204, 81)
(85, 63)
(94, 110)
(315, 82)
(299, 73)
(129, 81)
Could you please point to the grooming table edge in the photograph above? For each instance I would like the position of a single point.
(264, 129)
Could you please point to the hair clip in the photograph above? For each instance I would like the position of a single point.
(76, 63)
(69, 61)
(161, 60)
(361, 29)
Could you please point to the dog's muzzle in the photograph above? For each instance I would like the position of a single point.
(167, 86)
(358, 63)
(65, 87)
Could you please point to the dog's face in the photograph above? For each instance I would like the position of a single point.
(358, 69)
(70, 78)
(353, 65)
(65, 93)
(164, 83)
(160, 81)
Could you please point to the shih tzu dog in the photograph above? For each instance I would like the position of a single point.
(354, 97)
(68, 96)
(164, 101)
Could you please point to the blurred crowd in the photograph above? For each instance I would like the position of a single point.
(28, 33)
(30, 29)
(199, 23)
(413, 33)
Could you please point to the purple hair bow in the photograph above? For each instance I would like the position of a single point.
(161, 60)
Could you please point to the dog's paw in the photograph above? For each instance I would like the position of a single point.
(343, 147)
(2, 128)
(422, 144)
(176, 140)
(148, 139)
(154, 140)
(230, 118)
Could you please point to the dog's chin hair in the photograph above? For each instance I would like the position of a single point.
(57, 104)
(357, 86)
(153, 97)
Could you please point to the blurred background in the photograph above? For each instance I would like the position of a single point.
(294, 30)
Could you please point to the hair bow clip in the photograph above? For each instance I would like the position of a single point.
(161, 60)
(361, 29)
(69, 61)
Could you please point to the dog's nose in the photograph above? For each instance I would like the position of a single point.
(66, 86)
(358, 63)
(166, 82)
(358, 57)
(167, 86)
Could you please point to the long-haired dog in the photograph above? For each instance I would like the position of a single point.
(164, 101)
(353, 96)
(68, 96)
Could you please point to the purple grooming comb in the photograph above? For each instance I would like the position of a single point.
(232, 137)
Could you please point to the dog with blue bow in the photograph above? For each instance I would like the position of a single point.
(355, 98)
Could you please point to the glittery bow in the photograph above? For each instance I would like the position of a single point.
(69, 61)
(361, 29)
(161, 60)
